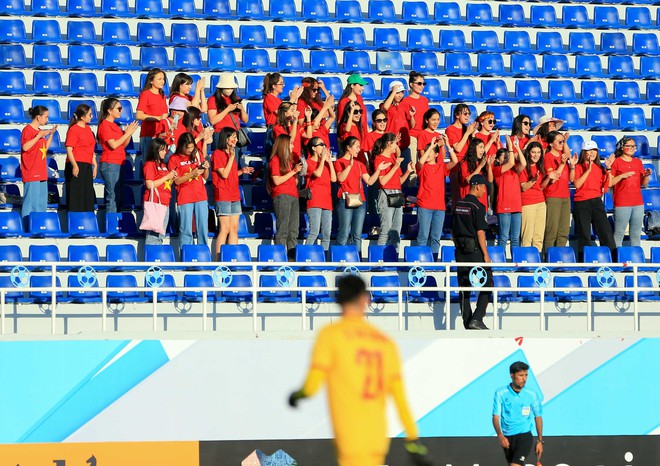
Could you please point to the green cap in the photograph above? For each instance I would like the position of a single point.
(356, 79)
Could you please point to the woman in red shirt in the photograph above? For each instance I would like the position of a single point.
(191, 198)
(113, 142)
(557, 195)
(35, 143)
(533, 180)
(225, 108)
(159, 177)
(272, 87)
(350, 125)
(475, 162)
(151, 107)
(390, 181)
(171, 128)
(591, 180)
(628, 179)
(320, 175)
(283, 186)
(400, 118)
(509, 163)
(351, 173)
(490, 138)
(545, 126)
(429, 132)
(80, 168)
(226, 193)
(353, 93)
(378, 125)
(192, 123)
(287, 124)
(416, 83)
(432, 172)
(459, 134)
(181, 85)
(520, 129)
(321, 123)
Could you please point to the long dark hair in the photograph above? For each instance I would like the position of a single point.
(550, 138)
(106, 106)
(81, 111)
(156, 146)
(37, 111)
(528, 156)
(185, 140)
(348, 114)
(220, 103)
(517, 126)
(381, 143)
(224, 136)
(544, 131)
(311, 143)
(282, 119)
(460, 108)
(179, 79)
(189, 117)
(307, 96)
(270, 80)
(471, 154)
(374, 115)
(150, 77)
(583, 159)
(428, 115)
(346, 143)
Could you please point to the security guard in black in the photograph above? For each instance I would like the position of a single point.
(469, 227)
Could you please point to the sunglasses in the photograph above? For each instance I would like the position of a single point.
(467, 113)
(526, 123)
(315, 89)
(320, 144)
(420, 83)
(357, 112)
(119, 108)
(280, 84)
(630, 147)
(491, 121)
(381, 120)
(560, 142)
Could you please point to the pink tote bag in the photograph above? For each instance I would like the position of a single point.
(154, 214)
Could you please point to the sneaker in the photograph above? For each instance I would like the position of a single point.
(477, 325)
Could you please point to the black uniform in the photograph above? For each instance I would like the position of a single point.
(470, 217)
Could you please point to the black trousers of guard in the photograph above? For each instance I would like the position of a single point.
(464, 280)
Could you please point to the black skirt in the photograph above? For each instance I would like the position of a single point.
(80, 196)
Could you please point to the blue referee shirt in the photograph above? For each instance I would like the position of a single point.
(516, 410)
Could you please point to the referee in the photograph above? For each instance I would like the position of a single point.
(515, 410)
(469, 230)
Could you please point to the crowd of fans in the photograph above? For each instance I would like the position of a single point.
(529, 171)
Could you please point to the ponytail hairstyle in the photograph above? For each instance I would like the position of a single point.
(270, 81)
(550, 138)
(430, 113)
(37, 111)
(502, 152)
(107, 105)
(307, 96)
(471, 154)
(414, 76)
(619, 146)
(185, 140)
(178, 81)
(150, 77)
(311, 143)
(528, 156)
(282, 110)
(381, 143)
(189, 117)
(346, 143)
(81, 111)
(156, 146)
(345, 117)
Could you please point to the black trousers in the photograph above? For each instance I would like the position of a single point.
(464, 280)
(588, 213)
(80, 196)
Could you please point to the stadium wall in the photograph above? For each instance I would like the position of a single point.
(600, 399)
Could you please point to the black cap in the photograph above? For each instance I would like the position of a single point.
(477, 180)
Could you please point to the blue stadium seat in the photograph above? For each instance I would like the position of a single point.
(543, 16)
(10, 255)
(10, 141)
(311, 253)
(149, 9)
(517, 41)
(43, 253)
(115, 8)
(11, 225)
(183, 9)
(85, 254)
(631, 255)
(357, 62)
(81, 32)
(309, 282)
(570, 116)
(13, 56)
(651, 199)
(549, 42)
(561, 91)
(601, 295)
(243, 230)
(82, 295)
(511, 15)
(561, 255)
(45, 225)
(378, 282)
(13, 112)
(494, 90)
(420, 40)
(613, 43)
(158, 253)
(381, 11)
(649, 67)
(497, 256)
(387, 39)
(13, 31)
(523, 65)
(588, 67)
(258, 60)
(116, 33)
(645, 44)
(461, 90)
(250, 10)
(352, 38)
(426, 296)
(121, 283)
(154, 57)
(238, 281)
(188, 59)
(480, 14)
(448, 254)
(220, 35)
(485, 41)
(503, 114)
(224, 59)
(12, 7)
(632, 119)
(119, 85)
(73, 104)
(389, 62)
(323, 61)
(46, 8)
(320, 37)
(574, 16)
(381, 253)
(83, 225)
(150, 34)
(606, 144)
(571, 281)
(255, 113)
(534, 113)
(599, 118)
(45, 31)
(185, 34)
(529, 91)
(215, 9)
(415, 13)
(653, 92)
(315, 10)
(638, 18)
(83, 84)
(647, 289)
(525, 255)
(622, 67)
(287, 37)
(422, 254)
(82, 57)
(344, 254)
(581, 42)
(277, 295)
(643, 148)
(348, 11)
(503, 285)
(205, 281)
(45, 295)
(118, 57)
(163, 296)
(458, 64)
(275, 253)
(448, 13)
(13, 83)
(235, 253)
(452, 41)
(284, 10)
(47, 57)
(606, 17)
(81, 8)
(490, 64)
(120, 253)
(121, 225)
(595, 92)
(527, 295)
(425, 62)
(655, 255)
(596, 255)
(195, 254)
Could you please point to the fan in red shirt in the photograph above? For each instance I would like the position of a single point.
(416, 83)
(151, 107)
(432, 172)
(350, 125)
(628, 178)
(475, 162)
(428, 131)
(378, 125)
(591, 180)
(545, 126)
(491, 139)
(273, 86)
(353, 93)
(400, 118)
(459, 134)
(321, 125)
(181, 85)
(159, 177)
(509, 163)
(557, 196)
(171, 128)
(192, 123)
(320, 175)
(520, 129)
(35, 143)
(323, 114)
(80, 168)
(226, 109)
(287, 124)
(533, 180)
(191, 197)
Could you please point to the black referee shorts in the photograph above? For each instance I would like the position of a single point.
(519, 447)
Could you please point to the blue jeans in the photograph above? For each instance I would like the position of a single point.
(35, 197)
(624, 216)
(391, 219)
(113, 179)
(201, 211)
(319, 220)
(351, 222)
(156, 238)
(430, 223)
(145, 144)
(509, 229)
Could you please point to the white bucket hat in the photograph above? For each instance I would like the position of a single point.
(227, 81)
(547, 119)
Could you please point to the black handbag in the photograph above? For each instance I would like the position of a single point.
(305, 193)
(396, 200)
(243, 138)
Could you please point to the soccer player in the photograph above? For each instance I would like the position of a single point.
(362, 368)
(513, 408)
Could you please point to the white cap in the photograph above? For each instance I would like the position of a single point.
(590, 145)
(397, 86)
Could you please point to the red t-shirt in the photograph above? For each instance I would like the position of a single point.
(424, 138)
(369, 140)
(398, 121)
(155, 171)
(270, 106)
(431, 191)
(193, 190)
(109, 130)
(395, 181)
(522, 142)
(163, 127)
(322, 133)
(302, 106)
(321, 196)
(533, 195)
(154, 105)
(289, 187)
(82, 140)
(231, 119)
(509, 195)
(595, 184)
(464, 184)
(421, 107)
(492, 150)
(454, 135)
(224, 189)
(360, 101)
(278, 130)
(34, 166)
(628, 192)
(558, 189)
(354, 131)
(353, 182)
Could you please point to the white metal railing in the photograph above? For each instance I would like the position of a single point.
(436, 269)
